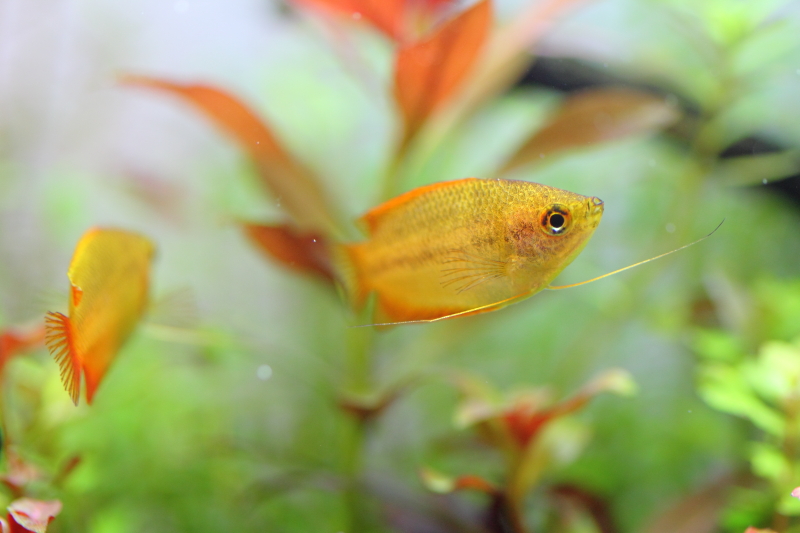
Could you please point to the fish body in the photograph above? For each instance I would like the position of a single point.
(467, 246)
(109, 279)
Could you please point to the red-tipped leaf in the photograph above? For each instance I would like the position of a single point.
(306, 253)
(430, 71)
(287, 179)
(32, 515)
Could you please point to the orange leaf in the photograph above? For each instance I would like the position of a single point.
(472, 482)
(386, 15)
(596, 116)
(286, 178)
(33, 515)
(429, 72)
(392, 17)
(15, 341)
(302, 252)
(440, 483)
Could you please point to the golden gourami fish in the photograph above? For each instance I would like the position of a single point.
(465, 247)
(109, 285)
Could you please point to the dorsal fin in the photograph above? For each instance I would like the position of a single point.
(59, 340)
(372, 218)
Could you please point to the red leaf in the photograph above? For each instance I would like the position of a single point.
(302, 252)
(429, 72)
(596, 116)
(32, 515)
(285, 177)
(395, 18)
(16, 341)
(526, 416)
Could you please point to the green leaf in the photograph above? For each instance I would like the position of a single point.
(768, 461)
(726, 389)
(777, 372)
(717, 345)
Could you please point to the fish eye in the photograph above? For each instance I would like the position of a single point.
(556, 220)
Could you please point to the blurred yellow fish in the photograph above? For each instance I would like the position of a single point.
(465, 247)
(109, 278)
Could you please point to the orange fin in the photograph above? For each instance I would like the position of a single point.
(59, 340)
(371, 219)
(428, 316)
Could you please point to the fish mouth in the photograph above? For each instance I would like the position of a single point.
(594, 208)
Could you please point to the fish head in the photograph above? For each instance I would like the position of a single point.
(558, 228)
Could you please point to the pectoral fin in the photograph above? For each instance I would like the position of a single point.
(59, 339)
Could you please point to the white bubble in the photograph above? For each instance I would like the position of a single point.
(670, 227)
(264, 372)
(764, 181)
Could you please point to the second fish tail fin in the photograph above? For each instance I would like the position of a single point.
(59, 339)
(347, 264)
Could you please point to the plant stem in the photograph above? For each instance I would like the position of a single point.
(515, 513)
(353, 465)
(358, 381)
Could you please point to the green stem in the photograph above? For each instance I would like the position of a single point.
(516, 515)
(358, 382)
(515, 491)
(353, 497)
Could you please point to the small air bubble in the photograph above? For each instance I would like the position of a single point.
(356, 15)
(264, 372)
(315, 240)
(764, 181)
(670, 227)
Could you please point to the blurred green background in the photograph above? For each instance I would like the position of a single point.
(239, 429)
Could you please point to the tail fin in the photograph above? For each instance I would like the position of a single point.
(347, 261)
(59, 340)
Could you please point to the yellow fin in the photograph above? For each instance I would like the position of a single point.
(60, 341)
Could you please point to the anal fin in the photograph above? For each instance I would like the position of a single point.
(59, 340)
